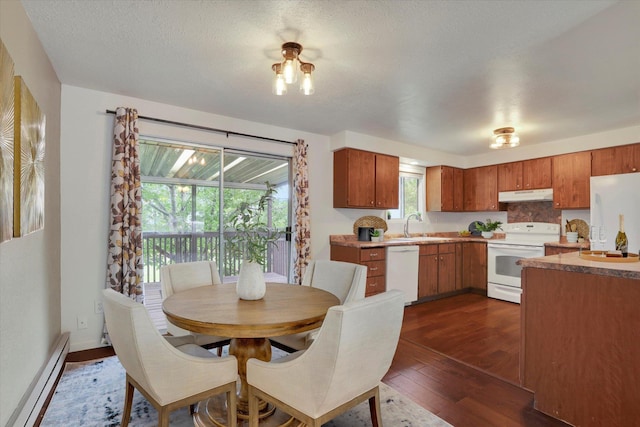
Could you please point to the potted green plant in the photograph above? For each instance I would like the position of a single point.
(248, 237)
(375, 235)
(488, 228)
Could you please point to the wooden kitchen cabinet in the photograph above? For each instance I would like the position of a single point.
(555, 250)
(615, 160)
(571, 175)
(373, 258)
(474, 265)
(439, 269)
(362, 179)
(481, 189)
(510, 176)
(525, 175)
(444, 189)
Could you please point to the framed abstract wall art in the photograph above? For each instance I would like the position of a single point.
(6, 144)
(28, 156)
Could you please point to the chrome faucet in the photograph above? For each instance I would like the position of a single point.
(406, 225)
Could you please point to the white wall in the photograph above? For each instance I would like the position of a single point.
(30, 265)
(85, 170)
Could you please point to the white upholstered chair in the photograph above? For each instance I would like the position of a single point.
(345, 280)
(168, 377)
(176, 278)
(343, 366)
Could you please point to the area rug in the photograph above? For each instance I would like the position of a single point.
(92, 394)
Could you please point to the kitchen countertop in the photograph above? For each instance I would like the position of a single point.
(435, 238)
(573, 263)
(564, 244)
(352, 240)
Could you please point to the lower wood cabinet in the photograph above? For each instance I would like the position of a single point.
(373, 258)
(439, 269)
(555, 250)
(474, 265)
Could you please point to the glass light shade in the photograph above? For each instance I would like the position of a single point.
(290, 70)
(306, 87)
(279, 85)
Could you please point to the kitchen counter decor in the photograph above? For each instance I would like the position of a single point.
(602, 256)
(580, 226)
(369, 221)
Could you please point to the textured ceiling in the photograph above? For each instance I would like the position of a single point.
(441, 74)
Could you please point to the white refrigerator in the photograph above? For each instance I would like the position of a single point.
(612, 195)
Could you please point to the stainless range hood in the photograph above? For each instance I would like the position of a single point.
(545, 194)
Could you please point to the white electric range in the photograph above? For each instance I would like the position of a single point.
(522, 240)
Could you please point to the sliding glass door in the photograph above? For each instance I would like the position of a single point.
(188, 193)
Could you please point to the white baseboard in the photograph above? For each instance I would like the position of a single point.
(34, 399)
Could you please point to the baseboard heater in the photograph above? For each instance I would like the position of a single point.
(34, 399)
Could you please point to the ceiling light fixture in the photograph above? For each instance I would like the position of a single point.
(505, 138)
(286, 72)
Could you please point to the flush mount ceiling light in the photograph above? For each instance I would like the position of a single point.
(287, 71)
(505, 138)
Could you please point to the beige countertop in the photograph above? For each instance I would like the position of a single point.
(433, 238)
(391, 240)
(574, 263)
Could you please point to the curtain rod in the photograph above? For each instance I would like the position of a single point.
(226, 132)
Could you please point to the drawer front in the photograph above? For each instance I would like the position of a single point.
(447, 248)
(429, 249)
(373, 254)
(375, 285)
(375, 268)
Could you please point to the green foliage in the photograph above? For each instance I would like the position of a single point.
(247, 233)
(488, 226)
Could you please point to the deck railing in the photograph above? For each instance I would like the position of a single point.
(160, 249)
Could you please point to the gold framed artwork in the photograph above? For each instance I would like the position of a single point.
(6, 144)
(28, 157)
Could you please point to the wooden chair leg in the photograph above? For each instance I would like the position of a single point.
(232, 413)
(220, 351)
(374, 409)
(192, 409)
(253, 408)
(128, 401)
(163, 417)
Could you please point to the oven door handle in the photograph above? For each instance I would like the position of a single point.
(516, 247)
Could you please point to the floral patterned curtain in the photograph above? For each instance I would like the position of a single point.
(124, 261)
(302, 237)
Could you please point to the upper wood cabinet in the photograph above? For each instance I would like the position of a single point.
(362, 179)
(571, 175)
(444, 189)
(615, 160)
(525, 175)
(481, 189)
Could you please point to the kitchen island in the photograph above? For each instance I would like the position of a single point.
(581, 339)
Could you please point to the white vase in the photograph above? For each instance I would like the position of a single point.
(251, 284)
(487, 234)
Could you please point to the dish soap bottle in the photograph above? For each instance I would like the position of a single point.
(621, 239)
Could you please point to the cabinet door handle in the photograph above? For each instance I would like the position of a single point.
(373, 268)
(372, 254)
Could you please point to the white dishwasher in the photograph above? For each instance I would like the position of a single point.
(402, 270)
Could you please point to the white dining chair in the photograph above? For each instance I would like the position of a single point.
(179, 277)
(343, 366)
(168, 376)
(345, 280)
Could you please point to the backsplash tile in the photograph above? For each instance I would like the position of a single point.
(533, 212)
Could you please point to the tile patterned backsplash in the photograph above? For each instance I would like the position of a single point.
(533, 212)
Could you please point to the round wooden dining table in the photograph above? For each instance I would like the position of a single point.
(217, 310)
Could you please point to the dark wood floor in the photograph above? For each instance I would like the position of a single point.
(458, 358)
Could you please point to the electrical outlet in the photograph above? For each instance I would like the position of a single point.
(82, 322)
(97, 306)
